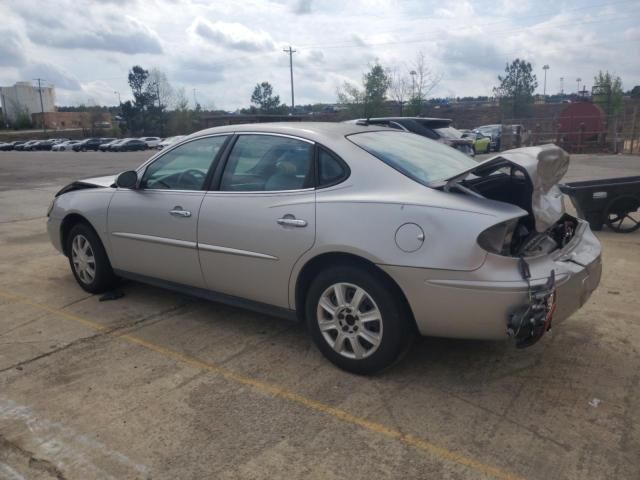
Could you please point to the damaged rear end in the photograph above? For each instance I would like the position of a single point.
(555, 255)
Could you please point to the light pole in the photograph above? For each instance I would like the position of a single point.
(413, 74)
(544, 89)
(290, 51)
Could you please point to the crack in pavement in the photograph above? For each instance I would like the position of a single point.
(35, 463)
(105, 332)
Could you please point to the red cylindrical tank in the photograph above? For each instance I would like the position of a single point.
(581, 122)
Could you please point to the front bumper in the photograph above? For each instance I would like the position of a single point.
(53, 229)
(478, 304)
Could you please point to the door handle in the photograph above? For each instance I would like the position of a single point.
(179, 212)
(291, 221)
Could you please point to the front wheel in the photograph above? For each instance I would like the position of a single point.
(356, 320)
(88, 260)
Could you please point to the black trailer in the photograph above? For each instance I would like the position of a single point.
(614, 201)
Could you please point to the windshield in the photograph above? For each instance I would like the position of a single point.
(417, 157)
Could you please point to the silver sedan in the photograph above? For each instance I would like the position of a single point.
(368, 234)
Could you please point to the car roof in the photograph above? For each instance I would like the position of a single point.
(310, 130)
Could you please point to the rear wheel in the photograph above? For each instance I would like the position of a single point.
(88, 260)
(356, 320)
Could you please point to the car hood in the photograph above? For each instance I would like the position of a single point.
(105, 181)
(94, 182)
(544, 166)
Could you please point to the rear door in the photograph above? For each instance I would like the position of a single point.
(261, 218)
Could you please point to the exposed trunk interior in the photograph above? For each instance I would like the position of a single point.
(511, 184)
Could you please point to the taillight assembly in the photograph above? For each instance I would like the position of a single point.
(497, 239)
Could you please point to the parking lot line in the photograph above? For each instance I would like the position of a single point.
(277, 391)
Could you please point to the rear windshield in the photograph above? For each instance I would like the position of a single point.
(417, 157)
(450, 133)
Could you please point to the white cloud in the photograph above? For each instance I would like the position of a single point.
(53, 75)
(232, 35)
(224, 48)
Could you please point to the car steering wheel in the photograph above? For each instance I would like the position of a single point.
(196, 177)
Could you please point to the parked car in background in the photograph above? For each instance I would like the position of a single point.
(438, 129)
(128, 145)
(88, 144)
(152, 142)
(24, 146)
(11, 145)
(480, 142)
(366, 233)
(494, 132)
(170, 141)
(48, 144)
(63, 146)
(29, 146)
(104, 147)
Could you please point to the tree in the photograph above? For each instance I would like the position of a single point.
(138, 77)
(607, 92)
(164, 92)
(262, 97)
(352, 98)
(376, 83)
(369, 101)
(516, 87)
(423, 81)
(399, 87)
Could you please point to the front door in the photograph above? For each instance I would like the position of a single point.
(153, 229)
(261, 219)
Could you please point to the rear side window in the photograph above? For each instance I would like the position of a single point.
(417, 157)
(330, 169)
(268, 163)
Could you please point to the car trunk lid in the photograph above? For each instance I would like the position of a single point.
(542, 166)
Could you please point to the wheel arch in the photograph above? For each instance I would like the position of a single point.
(68, 223)
(328, 259)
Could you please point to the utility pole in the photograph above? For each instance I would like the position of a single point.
(44, 126)
(291, 52)
(578, 80)
(544, 90)
(561, 85)
(159, 108)
(195, 100)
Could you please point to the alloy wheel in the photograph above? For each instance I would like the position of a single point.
(349, 320)
(83, 258)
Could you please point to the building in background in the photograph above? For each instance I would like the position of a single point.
(23, 99)
(91, 121)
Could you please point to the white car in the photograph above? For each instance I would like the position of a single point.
(152, 142)
(170, 141)
(62, 146)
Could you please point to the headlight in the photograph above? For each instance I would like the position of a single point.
(497, 239)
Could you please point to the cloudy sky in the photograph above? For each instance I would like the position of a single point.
(221, 49)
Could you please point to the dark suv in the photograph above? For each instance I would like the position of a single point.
(438, 129)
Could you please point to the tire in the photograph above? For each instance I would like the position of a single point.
(103, 277)
(392, 332)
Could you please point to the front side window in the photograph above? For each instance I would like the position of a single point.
(268, 163)
(417, 157)
(184, 167)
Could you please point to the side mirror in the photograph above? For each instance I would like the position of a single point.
(128, 179)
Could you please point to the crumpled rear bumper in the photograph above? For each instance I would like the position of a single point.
(478, 304)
